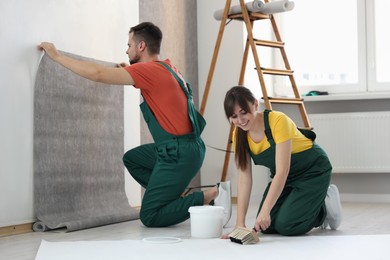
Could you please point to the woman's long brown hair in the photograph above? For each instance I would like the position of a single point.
(243, 97)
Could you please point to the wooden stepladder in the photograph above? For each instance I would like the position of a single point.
(249, 18)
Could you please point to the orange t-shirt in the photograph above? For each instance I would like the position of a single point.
(163, 94)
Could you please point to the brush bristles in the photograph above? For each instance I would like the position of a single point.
(244, 236)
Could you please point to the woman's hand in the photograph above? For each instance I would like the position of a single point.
(263, 221)
(225, 236)
(50, 49)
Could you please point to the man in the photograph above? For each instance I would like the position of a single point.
(165, 167)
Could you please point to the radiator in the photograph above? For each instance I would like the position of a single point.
(355, 142)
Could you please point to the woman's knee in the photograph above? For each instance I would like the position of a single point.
(288, 228)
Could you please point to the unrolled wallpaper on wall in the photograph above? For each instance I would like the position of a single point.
(78, 149)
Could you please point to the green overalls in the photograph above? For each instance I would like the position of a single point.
(301, 205)
(166, 167)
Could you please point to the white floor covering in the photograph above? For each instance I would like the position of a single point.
(270, 247)
(363, 234)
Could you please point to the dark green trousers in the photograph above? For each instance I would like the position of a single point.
(165, 170)
(300, 207)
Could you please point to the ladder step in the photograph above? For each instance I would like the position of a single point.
(252, 16)
(281, 100)
(277, 72)
(274, 44)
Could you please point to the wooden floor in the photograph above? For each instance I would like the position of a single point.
(359, 219)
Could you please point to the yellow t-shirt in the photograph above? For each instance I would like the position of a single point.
(283, 129)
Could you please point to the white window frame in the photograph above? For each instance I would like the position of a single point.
(373, 84)
(366, 59)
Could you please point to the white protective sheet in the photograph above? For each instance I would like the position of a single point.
(270, 247)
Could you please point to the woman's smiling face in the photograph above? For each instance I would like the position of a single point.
(242, 118)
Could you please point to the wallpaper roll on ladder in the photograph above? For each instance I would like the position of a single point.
(257, 6)
(277, 7)
(254, 6)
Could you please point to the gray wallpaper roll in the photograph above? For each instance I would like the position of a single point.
(78, 149)
(258, 6)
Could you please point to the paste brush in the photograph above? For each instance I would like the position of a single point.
(244, 236)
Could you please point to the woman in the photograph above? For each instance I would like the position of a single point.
(298, 198)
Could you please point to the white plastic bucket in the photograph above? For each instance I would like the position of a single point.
(206, 221)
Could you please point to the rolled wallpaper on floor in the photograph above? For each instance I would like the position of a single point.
(78, 149)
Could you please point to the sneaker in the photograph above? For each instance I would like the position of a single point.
(333, 207)
(325, 224)
(224, 200)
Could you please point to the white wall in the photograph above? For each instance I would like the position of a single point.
(226, 75)
(92, 28)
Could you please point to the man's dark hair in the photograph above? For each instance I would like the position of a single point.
(150, 34)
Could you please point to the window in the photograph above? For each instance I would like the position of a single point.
(378, 42)
(336, 46)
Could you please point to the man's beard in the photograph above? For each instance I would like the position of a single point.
(135, 59)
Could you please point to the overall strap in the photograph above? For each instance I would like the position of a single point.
(197, 120)
(267, 130)
(187, 90)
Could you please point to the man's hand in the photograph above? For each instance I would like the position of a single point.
(123, 64)
(50, 49)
